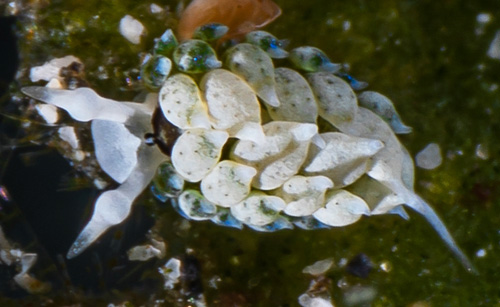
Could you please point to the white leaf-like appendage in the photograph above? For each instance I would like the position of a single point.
(296, 97)
(379, 198)
(337, 101)
(274, 174)
(181, 103)
(387, 163)
(83, 104)
(408, 172)
(258, 209)
(256, 67)
(232, 104)
(343, 159)
(342, 208)
(115, 148)
(195, 206)
(278, 224)
(277, 139)
(280, 156)
(383, 107)
(113, 206)
(197, 151)
(304, 195)
(228, 183)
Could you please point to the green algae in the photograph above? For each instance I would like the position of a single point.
(426, 57)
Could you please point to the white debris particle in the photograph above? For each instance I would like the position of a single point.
(26, 261)
(235, 260)
(143, 253)
(131, 29)
(346, 25)
(424, 272)
(494, 51)
(54, 83)
(100, 184)
(319, 267)
(481, 253)
(31, 284)
(452, 154)
(51, 69)
(12, 8)
(48, 112)
(342, 262)
(386, 266)
(171, 272)
(17, 253)
(79, 155)
(5, 257)
(305, 300)
(483, 18)
(214, 282)
(68, 135)
(359, 295)
(102, 73)
(160, 245)
(342, 283)
(482, 152)
(429, 157)
(155, 8)
(184, 226)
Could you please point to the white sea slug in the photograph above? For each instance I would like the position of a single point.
(259, 145)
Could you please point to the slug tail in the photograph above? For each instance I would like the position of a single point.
(431, 216)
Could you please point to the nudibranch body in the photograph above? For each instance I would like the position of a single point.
(248, 149)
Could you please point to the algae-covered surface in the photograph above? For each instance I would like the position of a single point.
(429, 57)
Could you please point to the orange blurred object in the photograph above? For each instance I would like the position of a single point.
(241, 16)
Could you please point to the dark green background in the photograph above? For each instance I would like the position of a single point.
(427, 56)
